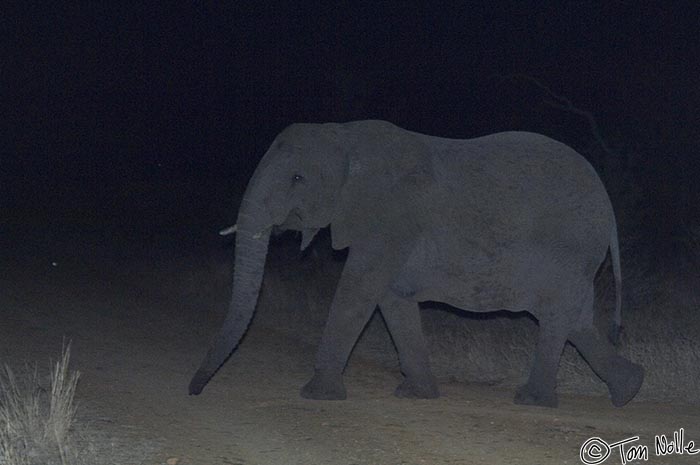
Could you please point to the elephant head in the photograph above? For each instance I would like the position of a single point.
(304, 182)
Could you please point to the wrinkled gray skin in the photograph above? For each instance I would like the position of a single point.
(513, 221)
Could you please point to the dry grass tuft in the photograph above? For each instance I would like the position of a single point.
(36, 423)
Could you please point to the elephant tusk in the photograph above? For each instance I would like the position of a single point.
(233, 229)
(229, 230)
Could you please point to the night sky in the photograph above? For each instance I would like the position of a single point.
(160, 112)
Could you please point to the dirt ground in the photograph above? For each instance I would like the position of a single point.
(136, 347)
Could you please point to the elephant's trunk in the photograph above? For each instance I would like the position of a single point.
(253, 233)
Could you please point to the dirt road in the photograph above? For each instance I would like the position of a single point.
(136, 348)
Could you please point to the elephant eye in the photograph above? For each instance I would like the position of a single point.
(297, 178)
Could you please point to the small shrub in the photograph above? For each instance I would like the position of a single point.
(35, 422)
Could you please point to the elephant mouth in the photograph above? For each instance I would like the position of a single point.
(293, 221)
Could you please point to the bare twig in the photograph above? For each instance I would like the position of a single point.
(563, 103)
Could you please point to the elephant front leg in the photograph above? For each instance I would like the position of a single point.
(403, 320)
(354, 302)
(540, 388)
(325, 385)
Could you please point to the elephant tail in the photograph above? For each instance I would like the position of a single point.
(614, 333)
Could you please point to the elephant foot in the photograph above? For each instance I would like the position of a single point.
(533, 395)
(324, 386)
(415, 388)
(628, 380)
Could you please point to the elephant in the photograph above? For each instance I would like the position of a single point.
(511, 221)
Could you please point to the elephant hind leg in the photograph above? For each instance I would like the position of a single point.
(403, 320)
(540, 388)
(623, 377)
(558, 309)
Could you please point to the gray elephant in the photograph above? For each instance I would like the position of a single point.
(513, 221)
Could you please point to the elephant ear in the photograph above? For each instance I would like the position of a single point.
(388, 172)
(344, 225)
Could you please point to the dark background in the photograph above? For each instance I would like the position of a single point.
(136, 126)
(110, 106)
